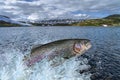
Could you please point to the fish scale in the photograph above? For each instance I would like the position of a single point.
(61, 48)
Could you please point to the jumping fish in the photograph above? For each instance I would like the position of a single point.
(66, 48)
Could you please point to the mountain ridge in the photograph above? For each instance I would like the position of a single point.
(111, 20)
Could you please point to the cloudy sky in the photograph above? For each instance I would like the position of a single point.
(50, 9)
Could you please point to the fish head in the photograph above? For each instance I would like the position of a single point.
(80, 46)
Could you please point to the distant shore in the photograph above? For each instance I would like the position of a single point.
(109, 21)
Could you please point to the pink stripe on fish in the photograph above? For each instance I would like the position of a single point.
(35, 59)
(48, 55)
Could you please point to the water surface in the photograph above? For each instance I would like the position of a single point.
(103, 57)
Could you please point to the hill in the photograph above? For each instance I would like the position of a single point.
(112, 20)
(7, 22)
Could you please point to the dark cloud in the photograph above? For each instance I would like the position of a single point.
(41, 9)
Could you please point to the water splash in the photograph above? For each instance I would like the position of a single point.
(56, 69)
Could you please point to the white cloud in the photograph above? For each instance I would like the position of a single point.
(42, 9)
(33, 16)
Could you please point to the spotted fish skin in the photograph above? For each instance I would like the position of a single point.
(66, 48)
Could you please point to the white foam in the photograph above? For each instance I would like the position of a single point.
(57, 69)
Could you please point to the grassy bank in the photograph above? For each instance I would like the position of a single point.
(112, 20)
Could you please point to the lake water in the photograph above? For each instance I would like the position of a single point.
(101, 62)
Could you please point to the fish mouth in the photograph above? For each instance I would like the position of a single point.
(88, 45)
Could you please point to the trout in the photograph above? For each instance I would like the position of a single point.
(66, 48)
